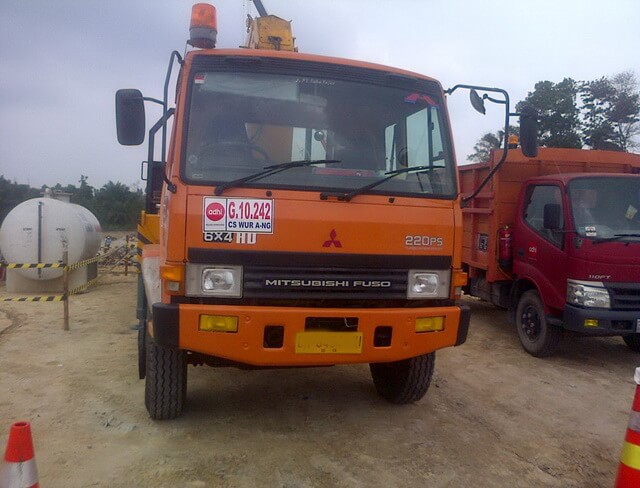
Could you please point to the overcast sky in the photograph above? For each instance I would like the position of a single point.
(62, 61)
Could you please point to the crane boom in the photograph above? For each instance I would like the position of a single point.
(261, 10)
(269, 31)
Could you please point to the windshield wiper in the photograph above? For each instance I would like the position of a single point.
(614, 238)
(390, 174)
(272, 170)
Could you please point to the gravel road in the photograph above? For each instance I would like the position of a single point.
(494, 415)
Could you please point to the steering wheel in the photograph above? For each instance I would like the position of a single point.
(212, 150)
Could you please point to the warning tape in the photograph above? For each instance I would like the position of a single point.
(80, 288)
(31, 265)
(85, 262)
(51, 298)
(92, 260)
(55, 298)
(57, 265)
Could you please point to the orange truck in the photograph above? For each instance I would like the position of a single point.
(556, 240)
(307, 213)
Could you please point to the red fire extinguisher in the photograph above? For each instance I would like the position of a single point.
(505, 249)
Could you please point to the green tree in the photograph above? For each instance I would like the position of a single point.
(117, 207)
(611, 109)
(598, 130)
(114, 205)
(489, 142)
(559, 121)
(12, 194)
(84, 195)
(483, 147)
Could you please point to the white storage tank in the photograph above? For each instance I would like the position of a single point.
(38, 231)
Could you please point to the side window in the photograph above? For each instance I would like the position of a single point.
(417, 138)
(537, 197)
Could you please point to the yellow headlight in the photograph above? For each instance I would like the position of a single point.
(218, 323)
(429, 324)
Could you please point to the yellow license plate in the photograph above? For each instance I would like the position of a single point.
(329, 343)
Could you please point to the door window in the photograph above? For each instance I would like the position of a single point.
(537, 197)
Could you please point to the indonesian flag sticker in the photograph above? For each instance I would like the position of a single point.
(414, 97)
(198, 79)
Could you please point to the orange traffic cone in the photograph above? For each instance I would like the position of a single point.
(19, 470)
(629, 470)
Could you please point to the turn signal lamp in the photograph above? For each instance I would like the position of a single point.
(218, 323)
(203, 30)
(514, 140)
(172, 276)
(429, 324)
(459, 280)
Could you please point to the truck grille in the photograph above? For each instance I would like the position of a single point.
(324, 283)
(321, 279)
(624, 296)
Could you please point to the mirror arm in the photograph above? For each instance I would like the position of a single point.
(154, 100)
(494, 100)
(161, 123)
(505, 148)
(165, 103)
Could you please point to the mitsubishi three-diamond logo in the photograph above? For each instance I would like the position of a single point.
(333, 240)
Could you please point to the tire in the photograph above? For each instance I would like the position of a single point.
(166, 381)
(632, 341)
(405, 381)
(142, 349)
(537, 336)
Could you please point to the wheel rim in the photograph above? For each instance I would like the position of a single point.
(530, 323)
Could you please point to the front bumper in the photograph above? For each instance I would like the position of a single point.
(610, 322)
(177, 326)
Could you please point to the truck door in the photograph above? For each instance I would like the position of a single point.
(540, 252)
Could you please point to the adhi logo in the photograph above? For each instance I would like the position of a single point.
(214, 211)
(333, 240)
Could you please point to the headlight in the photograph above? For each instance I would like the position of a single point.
(428, 284)
(587, 295)
(214, 280)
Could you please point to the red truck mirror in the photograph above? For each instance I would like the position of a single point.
(529, 132)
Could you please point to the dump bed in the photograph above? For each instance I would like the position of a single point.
(495, 206)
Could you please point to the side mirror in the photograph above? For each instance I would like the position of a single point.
(477, 102)
(529, 132)
(551, 219)
(130, 119)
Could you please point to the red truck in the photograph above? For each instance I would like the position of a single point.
(556, 240)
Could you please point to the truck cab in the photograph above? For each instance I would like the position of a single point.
(556, 240)
(307, 213)
(577, 237)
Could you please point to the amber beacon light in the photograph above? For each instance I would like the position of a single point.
(203, 29)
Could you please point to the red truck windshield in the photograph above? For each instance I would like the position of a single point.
(241, 122)
(606, 207)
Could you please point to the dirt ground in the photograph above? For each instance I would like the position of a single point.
(494, 415)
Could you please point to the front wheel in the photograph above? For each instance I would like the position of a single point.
(632, 341)
(538, 337)
(405, 381)
(166, 381)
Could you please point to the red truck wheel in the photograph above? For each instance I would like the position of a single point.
(165, 382)
(404, 381)
(537, 336)
(632, 341)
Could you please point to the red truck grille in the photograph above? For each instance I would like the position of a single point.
(624, 296)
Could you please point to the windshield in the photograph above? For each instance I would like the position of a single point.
(605, 207)
(241, 122)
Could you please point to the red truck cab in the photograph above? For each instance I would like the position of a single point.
(575, 244)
